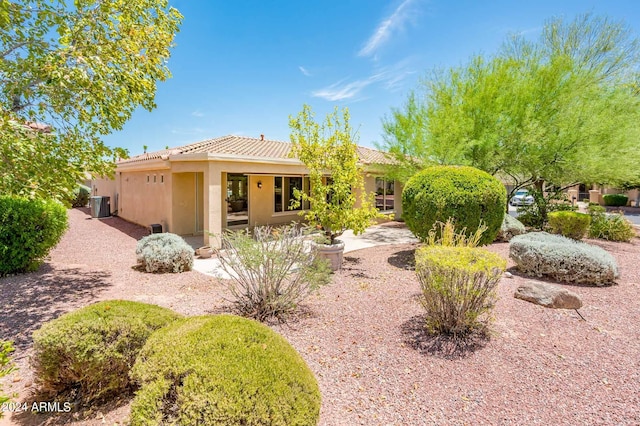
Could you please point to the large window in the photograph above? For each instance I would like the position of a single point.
(384, 194)
(284, 192)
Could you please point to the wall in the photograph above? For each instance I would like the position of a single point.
(262, 203)
(145, 198)
(106, 187)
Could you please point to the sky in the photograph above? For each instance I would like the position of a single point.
(242, 67)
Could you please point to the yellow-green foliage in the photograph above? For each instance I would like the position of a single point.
(613, 227)
(5, 367)
(222, 370)
(458, 287)
(92, 349)
(569, 224)
(444, 234)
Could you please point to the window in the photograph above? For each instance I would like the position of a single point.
(284, 192)
(384, 194)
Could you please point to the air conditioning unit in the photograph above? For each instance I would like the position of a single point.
(100, 206)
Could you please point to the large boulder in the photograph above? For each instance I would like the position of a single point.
(548, 295)
(510, 228)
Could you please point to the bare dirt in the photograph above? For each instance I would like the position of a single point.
(362, 336)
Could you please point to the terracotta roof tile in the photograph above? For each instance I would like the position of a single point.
(246, 147)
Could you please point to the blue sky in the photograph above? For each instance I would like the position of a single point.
(242, 67)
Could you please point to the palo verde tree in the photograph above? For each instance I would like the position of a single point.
(337, 199)
(69, 74)
(559, 111)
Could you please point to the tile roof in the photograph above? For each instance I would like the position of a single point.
(249, 148)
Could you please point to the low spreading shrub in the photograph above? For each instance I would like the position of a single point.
(5, 368)
(569, 224)
(80, 196)
(510, 228)
(164, 253)
(616, 200)
(29, 229)
(562, 259)
(271, 271)
(458, 287)
(467, 195)
(612, 227)
(222, 370)
(595, 208)
(90, 351)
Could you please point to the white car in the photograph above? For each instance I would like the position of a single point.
(521, 198)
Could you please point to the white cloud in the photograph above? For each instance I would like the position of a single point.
(395, 22)
(304, 71)
(197, 113)
(194, 131)
(391, 76)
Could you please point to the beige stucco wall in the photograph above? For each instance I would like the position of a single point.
(145, 197)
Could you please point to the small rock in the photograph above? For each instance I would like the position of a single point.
(548, 295)
(508, 275)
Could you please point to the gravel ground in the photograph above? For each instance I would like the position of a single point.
(362, 337)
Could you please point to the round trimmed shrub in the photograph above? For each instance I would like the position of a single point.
(562, 259)
(80, 196)
(164, 253)
(467, 195)
(91, 350)
(569, 224)
(29, 229)
(615, 200)
(222, 370)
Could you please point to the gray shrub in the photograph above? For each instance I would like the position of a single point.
(563, 259)
(164, 253)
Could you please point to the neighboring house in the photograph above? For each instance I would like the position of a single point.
(229, 182)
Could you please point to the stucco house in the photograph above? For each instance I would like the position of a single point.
(228, 182)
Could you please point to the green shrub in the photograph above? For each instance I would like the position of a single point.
(271, 271)
(612, 227)
(29, 229)
(458, 287)
(222, 370)
(164, 253)
(616, 200)
(536, 215)
(569, 224)
(445, 234)
(5, 367)
(510, 228)
(595, 208)
(562, 259)
(469, 196)
(80, 196)
(91, 350)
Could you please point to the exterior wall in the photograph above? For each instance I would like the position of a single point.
(145, 197)
(262, 203)
(106, 187)
(397, 200)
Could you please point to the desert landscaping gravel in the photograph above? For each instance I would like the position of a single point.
(362, 337)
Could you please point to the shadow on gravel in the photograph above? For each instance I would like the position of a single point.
(404, 259)
(29, 300)
(448, 347)
(349, 266)
(128, 228)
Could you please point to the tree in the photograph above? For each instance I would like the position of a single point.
(337, 199)
(557, 112)
(82, 69)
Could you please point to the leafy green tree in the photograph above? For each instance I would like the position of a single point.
(337, 199)
(555, 112)
(82, 69)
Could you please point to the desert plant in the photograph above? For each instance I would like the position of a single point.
(510, 227)
(445, 234)
(569, 224)
(90, 351)
(164, 252)
(536, 215)
(615, 200)
(339, 202)
(222, 370)
(272, 270)
(6, 367)
(458, 287)
(562, 259)
(595, 208)
(612, 227)
(80, 196)
(29, 229)
(467, 195)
